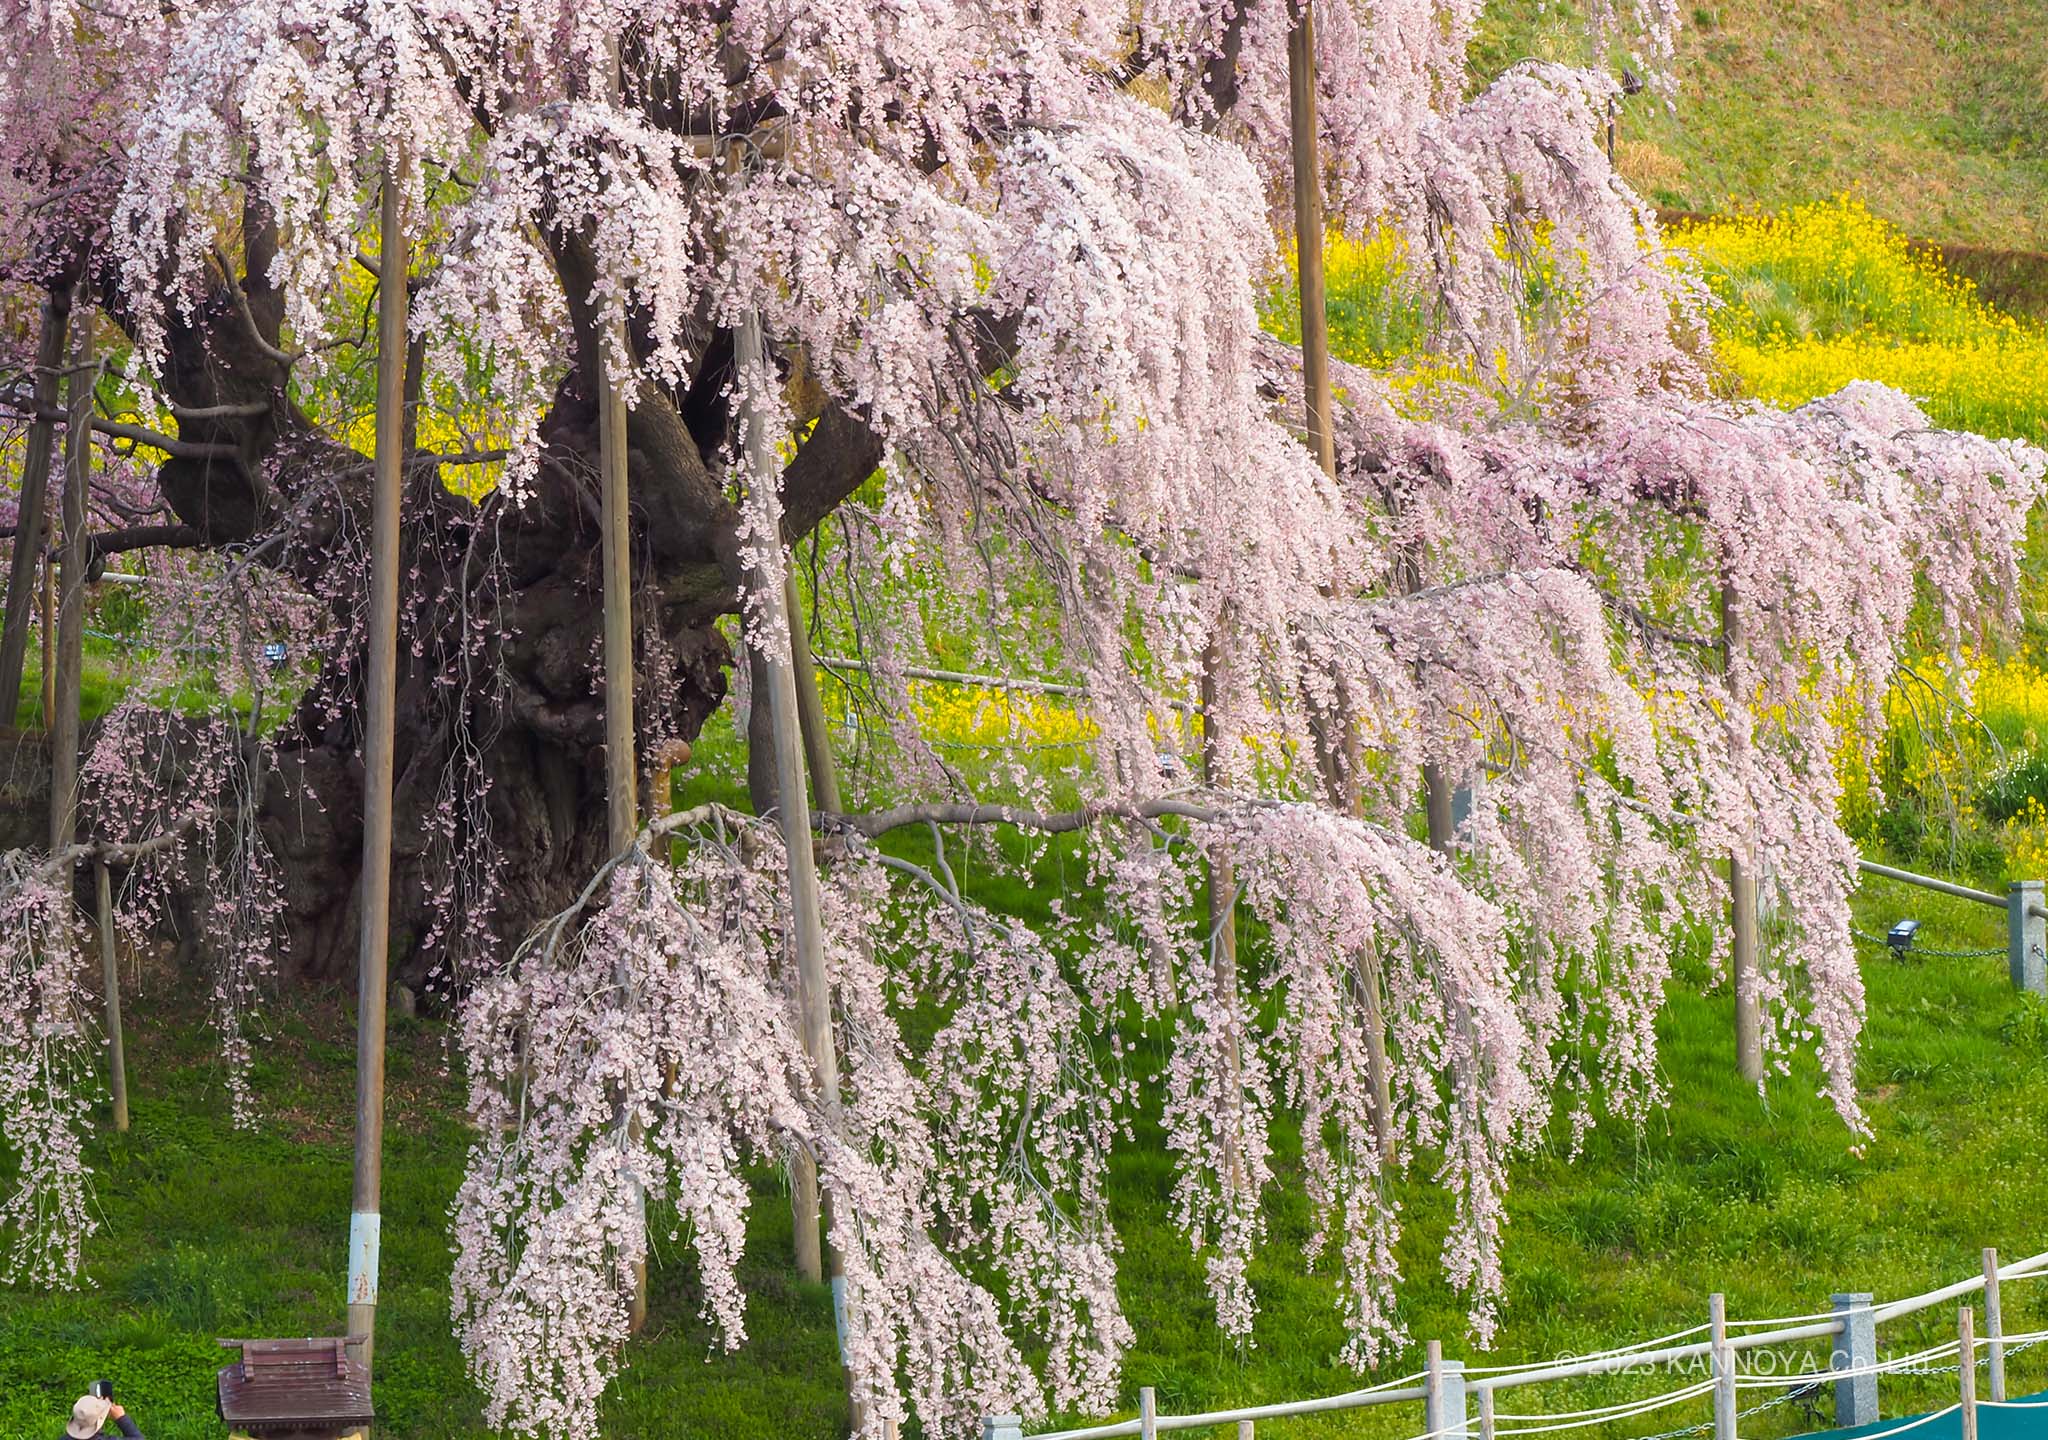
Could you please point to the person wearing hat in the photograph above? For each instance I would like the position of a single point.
(93, 1414)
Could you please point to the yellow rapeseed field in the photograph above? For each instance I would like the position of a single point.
(1819, 295)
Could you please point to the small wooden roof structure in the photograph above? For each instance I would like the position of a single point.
(295, 1390)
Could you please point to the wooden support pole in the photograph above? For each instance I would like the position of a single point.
(1994, 1326)
(620, 794)
(1317, 408)
(380, 702)
(1444, 1412)
(1724, 1367)
(1365, 972)
(810, 704)
(1148, 1413)
(1749, 1045)
(807, 937)
(616, 525)
(1436, 796)
(1748, 980)
(1966, 1368)
(805, 1218)
(70, 656)
(49, 643)
(621, 791)
(1222, 905)
(1486, 1422)
(1308, 237)
(30, 517)
(110, 975)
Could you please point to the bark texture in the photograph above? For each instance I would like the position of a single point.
(512, 704)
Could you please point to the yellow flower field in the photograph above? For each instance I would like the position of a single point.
(1823, 294)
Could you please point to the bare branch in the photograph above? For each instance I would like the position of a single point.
(880, 822)
(140, 537)
(248, 410)
(156, 439)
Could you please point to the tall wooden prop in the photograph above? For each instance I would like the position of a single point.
(380, 698)
(1308, 237)
(110, 975)
(622, 796)
(1222, 885)
(807, 935)
(64, 725)
(35, 481)
(1749, 1043)
(810, 703)
(1317, 404)
(49, 643)
(621, 793)
(803, 1169)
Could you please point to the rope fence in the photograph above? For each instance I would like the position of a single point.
(1447, 1388)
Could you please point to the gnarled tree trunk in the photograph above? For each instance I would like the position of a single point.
(500, 713)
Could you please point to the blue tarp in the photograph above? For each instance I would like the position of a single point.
(1993, 1423)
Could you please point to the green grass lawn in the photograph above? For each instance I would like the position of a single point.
(209, 1233)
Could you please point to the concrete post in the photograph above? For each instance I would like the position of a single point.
(2027, 932)
(1855, 1349)
(1444, 1396)
(1002, 1427)
(1724, 1368)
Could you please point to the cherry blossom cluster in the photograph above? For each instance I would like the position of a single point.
(647, 1051)
(151, 772)
(48, 1078)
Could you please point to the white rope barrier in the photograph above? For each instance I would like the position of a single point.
(1645, 1407)
(1798, 1319)
(1755, 1334)
(1620, 1410)
(1634, 1349)
(1882, 1367)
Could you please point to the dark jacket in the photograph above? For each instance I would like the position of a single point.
(124, 1427)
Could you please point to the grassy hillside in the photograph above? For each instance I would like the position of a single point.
(1933, 111)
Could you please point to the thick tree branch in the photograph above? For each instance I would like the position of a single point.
(246, 411)
(155, 439)
(140, 537)
(840, 453)
(109, 852)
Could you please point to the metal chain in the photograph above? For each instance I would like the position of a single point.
(1797, 1392)
(1957, 1368)
(1916, 949)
